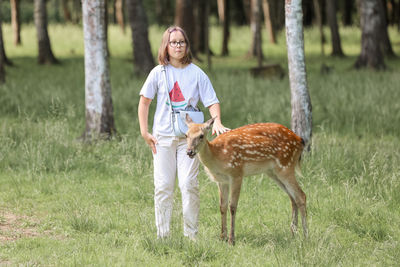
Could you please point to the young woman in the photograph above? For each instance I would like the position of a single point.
(187, 84)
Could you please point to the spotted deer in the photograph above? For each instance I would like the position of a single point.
(268, 148)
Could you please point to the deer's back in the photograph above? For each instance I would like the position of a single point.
(255, 144)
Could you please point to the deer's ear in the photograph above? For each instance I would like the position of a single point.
(208, 124)
(188, 119)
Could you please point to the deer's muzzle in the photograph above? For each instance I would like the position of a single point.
(191, 153)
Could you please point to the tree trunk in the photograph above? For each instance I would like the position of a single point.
(142, 58)
(119, 14)
(45, 53)
(385, 40)
(371, 25)
(308, 12)
(207, 32)
(221, 10)
(268, 22)
(333, 25)
(348, 12)
(56, 10)
(15, 21)
(318, 16)
(2, 72)
(164, 12)
(184, 18)
(256, 46)
(239, 16)
(76, 11)
(398, 17)
(66, 12)
(226, 26)
(98, 101)
(202, 23)
(300, 98)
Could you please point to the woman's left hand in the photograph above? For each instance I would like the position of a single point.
(218, 128)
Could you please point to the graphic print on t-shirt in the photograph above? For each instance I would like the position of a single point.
(176, 96)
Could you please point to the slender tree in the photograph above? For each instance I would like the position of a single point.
(184, 18)
(202, 25)
(66, 12)
(348, 7)
(268, 22)
(318, 16)
(3, 57)
(256, 45)
(385, 40)
(77, 11)
(207, 32)
(300, 98)
(371, 25)
(46, 55)
(331, 9)
(98, 101)
(119, 14)
(15, 21)
(164, 12)
(224, 18)
(142, 58)
(2, 72)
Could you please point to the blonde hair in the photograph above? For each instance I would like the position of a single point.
(163, 57)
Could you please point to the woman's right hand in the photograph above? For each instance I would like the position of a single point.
(151, 141)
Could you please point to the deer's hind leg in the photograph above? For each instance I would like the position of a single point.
(295, 209)
(288, 179)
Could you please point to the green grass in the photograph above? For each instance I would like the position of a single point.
(79, 204)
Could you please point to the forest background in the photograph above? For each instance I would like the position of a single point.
(65, 202)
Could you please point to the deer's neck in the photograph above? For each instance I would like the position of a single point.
(205, 153)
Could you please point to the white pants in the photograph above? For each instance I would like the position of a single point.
(171, 158)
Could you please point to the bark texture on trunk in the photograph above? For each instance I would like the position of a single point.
(184, 18)
(256, 45)
(98, 101)
(348, 12)
(119, 14)
(333, 25)
(386, 44)
(66, 12)
(2, 71)
(318, 16)
(3, 56)
(142, 58)
(207, 33)
(46, 55)
(202, 25)
(300, 98)
(268, 22)
(226, 27)
(371, 23)
(15, 21)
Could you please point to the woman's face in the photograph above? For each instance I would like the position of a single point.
(178, 52)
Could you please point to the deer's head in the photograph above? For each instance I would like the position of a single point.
(196, 135)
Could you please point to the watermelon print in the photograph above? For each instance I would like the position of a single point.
(176, 96)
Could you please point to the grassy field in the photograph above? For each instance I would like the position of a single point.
(64, 203)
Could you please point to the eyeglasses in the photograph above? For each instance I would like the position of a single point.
(175, 43)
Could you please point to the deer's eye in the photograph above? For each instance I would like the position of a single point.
(201, 136)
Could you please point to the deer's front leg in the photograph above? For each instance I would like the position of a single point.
(223, 206)
(236, 184)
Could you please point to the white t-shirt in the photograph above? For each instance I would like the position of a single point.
(186, 87)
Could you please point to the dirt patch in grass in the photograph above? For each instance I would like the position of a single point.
(13, 227)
